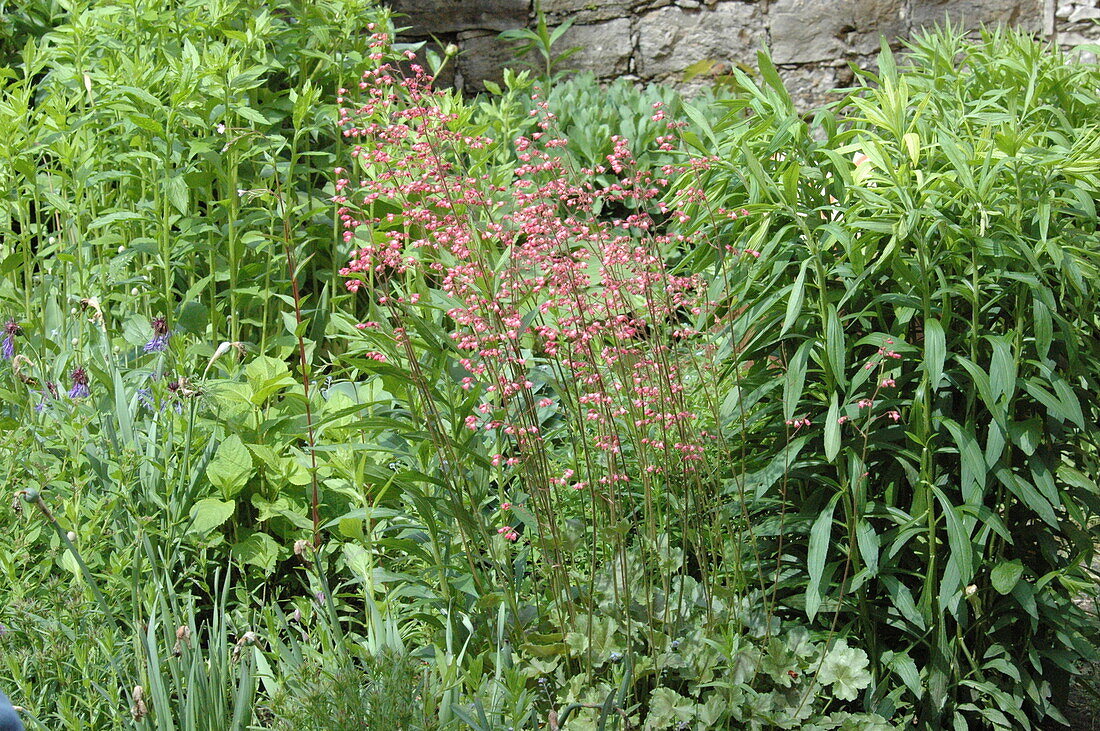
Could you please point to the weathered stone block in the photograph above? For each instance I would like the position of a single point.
(1084, 13)
(482, 56)
(586, 11)
(810, 31)
(809, 85)
(605, 48)
(428, 17)
(1024, 14)
(673, 38)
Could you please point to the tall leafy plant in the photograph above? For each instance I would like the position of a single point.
(931, 241)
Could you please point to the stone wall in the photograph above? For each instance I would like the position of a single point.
(812, 41)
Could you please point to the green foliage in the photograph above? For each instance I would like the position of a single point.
(541, 40)
(388, 693)
(926, 246)
(927, 280)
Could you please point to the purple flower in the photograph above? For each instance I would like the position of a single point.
(45, 397)
(11, 329)
(145, 395)
(161, 335)
(80, 384)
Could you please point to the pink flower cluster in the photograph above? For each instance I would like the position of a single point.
(550, 271)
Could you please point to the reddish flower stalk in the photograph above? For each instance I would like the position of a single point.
(553, 272)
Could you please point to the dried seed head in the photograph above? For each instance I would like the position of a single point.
(248, 638)
(138, 710)
(183, 634)
(92, 303)
(19, 365)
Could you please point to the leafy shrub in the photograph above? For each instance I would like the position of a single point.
(385, 695)
(928, 294)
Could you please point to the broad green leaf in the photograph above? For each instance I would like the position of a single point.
(1071, 406)
(912, 146)
(258, 549)
(193, 317)
(1005, 575)
(231, 467)
(209, 513)
(845, 669)
(358, 560)
(668, 708)
(176, 190)
(264, 369)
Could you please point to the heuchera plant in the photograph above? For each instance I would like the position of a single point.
(546, 277)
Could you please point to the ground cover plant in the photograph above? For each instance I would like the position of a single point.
(332, 399)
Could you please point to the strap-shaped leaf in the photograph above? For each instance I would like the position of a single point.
(818, 553)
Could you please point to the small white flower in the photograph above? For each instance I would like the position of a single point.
(221, 128)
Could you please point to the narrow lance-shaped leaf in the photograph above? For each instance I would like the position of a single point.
(818, 553)
(935, 351)
(795, 379)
